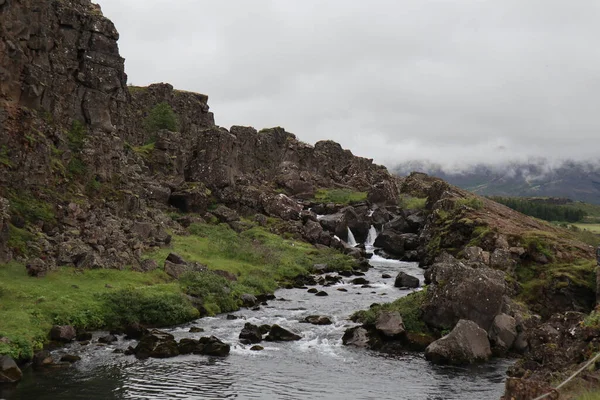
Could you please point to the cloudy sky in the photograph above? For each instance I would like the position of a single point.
(451, 81)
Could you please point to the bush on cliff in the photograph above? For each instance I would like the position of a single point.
(160, 117)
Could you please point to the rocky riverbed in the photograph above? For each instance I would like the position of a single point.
(316, 366)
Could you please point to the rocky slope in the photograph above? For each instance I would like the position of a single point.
(86, 182)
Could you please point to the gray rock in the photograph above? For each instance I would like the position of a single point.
(249, 300)
(390, 324)
(9, 371)
(277, 333)
(503, 332)
(63, 333)
(357, 336)
(404, 280)
(466, 344)
(318, 320)
(461, 292)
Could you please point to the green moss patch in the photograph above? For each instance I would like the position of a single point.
(340, 196)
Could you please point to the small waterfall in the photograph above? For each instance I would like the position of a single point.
(372, 235)
(370, 213)
(351, 240)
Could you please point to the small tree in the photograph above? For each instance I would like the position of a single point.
(162, 116)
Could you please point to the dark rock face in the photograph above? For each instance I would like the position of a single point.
(466, 344)
(404, 280)
(9, 371)
(214, 347)
(62, 333)
(251, 333)
(279, 334)
(461, 292)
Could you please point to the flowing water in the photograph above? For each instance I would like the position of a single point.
(316, 367)
(351, 239)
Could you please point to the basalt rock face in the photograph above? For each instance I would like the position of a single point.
(74, 138)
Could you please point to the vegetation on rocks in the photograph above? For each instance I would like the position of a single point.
(408, 306)
(160, 117)
(340, 196)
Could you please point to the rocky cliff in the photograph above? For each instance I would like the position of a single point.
(86, 181)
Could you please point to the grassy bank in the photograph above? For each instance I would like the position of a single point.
(340, 196)
(94, 299)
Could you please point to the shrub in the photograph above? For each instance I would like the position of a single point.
(162, 116)
(146, 306)
(214, 290)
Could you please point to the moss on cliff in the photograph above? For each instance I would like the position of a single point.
(340, 196)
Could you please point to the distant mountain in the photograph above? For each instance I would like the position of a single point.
(540, 178)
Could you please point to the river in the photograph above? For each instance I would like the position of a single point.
(316, 367)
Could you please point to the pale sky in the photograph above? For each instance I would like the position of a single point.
(449, 80)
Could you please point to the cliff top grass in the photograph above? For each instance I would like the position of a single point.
(340, 196)
(95, 299)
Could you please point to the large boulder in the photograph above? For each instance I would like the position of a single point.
(461, 292)
(251, 333)
(279, 334)
(390, 324)
(9, 371)
(63, 333)
(281, 206)
(404, 280)
(214, 346)
(503, 332)
(357, 336)
(391, 242)
(466, 344)
(225, 214)
(156, 344)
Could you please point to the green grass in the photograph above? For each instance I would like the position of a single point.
(409, 308)
(594, 228)
(144, 151)
(30, 306)
(261, 261)
(472, 202)
(412, 203)
(536, 278)
(592, 395)
(340, 196)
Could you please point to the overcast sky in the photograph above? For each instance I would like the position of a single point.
(449, 80)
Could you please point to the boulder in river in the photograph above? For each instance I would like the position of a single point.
(404, 280)
(359, 337)
(249, 300)
(322, 293)
(42, 359)
(466, 344)
(390, 324)
(251, 333)
(157, 344)
(279, 334)
(9, 371)
(70, 358)
(360, 281)
(214, 346)
(318, 320)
